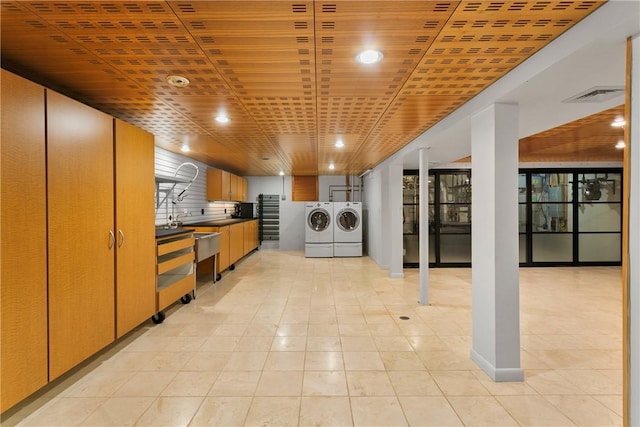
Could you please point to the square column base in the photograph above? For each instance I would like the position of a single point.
(497, 374)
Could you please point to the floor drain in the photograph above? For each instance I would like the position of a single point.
(404, 317)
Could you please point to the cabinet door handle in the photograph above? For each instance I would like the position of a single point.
(121, 238)
(112, 239)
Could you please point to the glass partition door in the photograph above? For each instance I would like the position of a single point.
(565, 217)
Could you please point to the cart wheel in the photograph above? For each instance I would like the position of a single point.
(232, 267)
(218, 277)
(158, 318)
(186, 299)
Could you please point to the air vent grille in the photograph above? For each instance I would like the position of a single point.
(597, 94)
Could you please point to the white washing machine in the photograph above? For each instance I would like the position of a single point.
(318, 242)
(347, 229)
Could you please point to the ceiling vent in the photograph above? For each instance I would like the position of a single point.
(597, 94)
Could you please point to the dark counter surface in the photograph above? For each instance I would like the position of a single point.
(218, 222)
(166, 232)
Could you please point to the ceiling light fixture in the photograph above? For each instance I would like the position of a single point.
(332, 166)
(185, 148)
(177, 81)
(339, 143)
(222, 119)
(369, 56)
(618, 122)
(281, 173)
(620, 145)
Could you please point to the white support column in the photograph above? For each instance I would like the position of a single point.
(494, 236)
(395, 220)
(634, 237)
(423, 174)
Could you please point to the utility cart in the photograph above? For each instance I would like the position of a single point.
(175, 269)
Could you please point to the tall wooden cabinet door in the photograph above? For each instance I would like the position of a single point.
(23, 241)
(81, 232)
(135, 227)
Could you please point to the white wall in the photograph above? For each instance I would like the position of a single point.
(374, 230)
(333, 188)
(190, 209)
(292, 216)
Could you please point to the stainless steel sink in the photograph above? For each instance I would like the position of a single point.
(207, 245)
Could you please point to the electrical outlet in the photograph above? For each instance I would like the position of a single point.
(202, 211)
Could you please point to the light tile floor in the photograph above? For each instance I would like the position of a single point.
(285, 340)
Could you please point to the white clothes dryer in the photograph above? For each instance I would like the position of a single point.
(318, 233)
(347, 229)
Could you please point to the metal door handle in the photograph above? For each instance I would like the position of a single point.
(112, 239)
(121, 238)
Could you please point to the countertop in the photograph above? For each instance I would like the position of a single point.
(166, 232)
(218, 222)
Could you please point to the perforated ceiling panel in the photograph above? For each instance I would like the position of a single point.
(283, 71)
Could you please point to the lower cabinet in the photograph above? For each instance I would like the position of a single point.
(236, 242)
(223, 258)
(250, 235)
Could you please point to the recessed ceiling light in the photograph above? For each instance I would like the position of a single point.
(185, 148)
(618, 122)
(177, 81)
(620, 145)
(339, 143)
(332, 166)
(281, 173)
(222, 119)
(369, 56)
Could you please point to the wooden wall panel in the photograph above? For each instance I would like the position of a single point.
(304, 188)
(23, 251)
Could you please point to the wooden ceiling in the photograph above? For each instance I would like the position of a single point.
(585, 140)
(283, 71)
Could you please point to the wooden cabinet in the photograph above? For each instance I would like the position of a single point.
(225, 186)
(236, 242)
(23, 273)
(135, 227)
(73, 204)
(223, 258)
(218, 185)
(245, 190)
(250, 235)
(81, 232)
(235, 188)
(176, 276)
